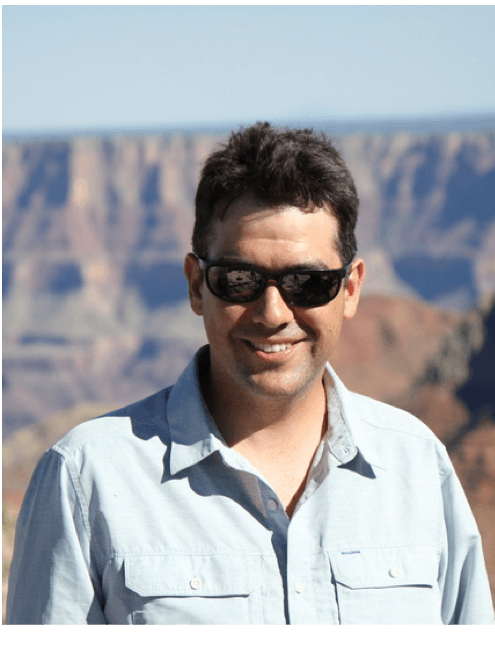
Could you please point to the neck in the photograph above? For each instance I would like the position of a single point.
(248, 420)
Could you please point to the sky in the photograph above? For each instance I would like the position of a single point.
(93, 67)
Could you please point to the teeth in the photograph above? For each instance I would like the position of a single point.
(270, 348)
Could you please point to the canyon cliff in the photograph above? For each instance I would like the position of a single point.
(95, 303)
(96, 228)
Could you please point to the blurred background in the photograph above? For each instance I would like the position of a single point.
(108, 114)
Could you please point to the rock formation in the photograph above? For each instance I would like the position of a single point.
(95, 302)
(95, 230)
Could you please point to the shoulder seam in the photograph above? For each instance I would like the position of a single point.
(78, 491)
(430, 437)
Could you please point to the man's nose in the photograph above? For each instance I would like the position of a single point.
(270, 309)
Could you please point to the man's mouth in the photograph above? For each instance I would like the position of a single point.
(271, 348)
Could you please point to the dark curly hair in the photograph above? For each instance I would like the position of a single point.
(290, 167)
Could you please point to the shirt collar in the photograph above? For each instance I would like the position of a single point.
(193, 432)
(194, 435)
(342, 404)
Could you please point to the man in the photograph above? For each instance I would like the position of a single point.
(257, 490)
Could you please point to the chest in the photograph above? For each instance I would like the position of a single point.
(285, 473)
(210, 547)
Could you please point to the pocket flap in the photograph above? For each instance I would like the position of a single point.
(192, 575)
(384, 567)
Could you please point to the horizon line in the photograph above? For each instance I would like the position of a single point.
(475, 121)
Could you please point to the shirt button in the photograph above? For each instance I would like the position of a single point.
(395, 572)
(299, 586)
(272, 504)
(195, 583)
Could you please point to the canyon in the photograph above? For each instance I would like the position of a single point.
(95, 310)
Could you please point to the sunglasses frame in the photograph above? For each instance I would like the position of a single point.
(206, 265)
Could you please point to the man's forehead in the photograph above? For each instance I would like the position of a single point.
(284, 237)
(249, 206)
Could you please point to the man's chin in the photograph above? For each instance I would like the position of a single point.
(277, 389)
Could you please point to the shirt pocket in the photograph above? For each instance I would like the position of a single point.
(387, 586)
(194, 589)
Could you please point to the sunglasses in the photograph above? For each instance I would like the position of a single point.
(238, 283)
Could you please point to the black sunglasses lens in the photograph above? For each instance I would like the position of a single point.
(235, 285)
(310, 290)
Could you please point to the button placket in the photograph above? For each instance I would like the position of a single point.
(300, 593)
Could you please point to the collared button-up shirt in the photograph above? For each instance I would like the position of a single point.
(146, 516)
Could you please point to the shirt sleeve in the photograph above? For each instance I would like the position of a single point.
(51, 577)
(466, 591)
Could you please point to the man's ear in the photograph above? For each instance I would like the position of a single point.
(194, 277)
(353, 285)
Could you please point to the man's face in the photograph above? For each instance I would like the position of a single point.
(275, 240)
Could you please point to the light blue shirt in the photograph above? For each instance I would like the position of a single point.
(145, 516)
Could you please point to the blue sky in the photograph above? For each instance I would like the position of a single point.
(69, 68)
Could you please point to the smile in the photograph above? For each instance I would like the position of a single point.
(271, 348)
(267, 348)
